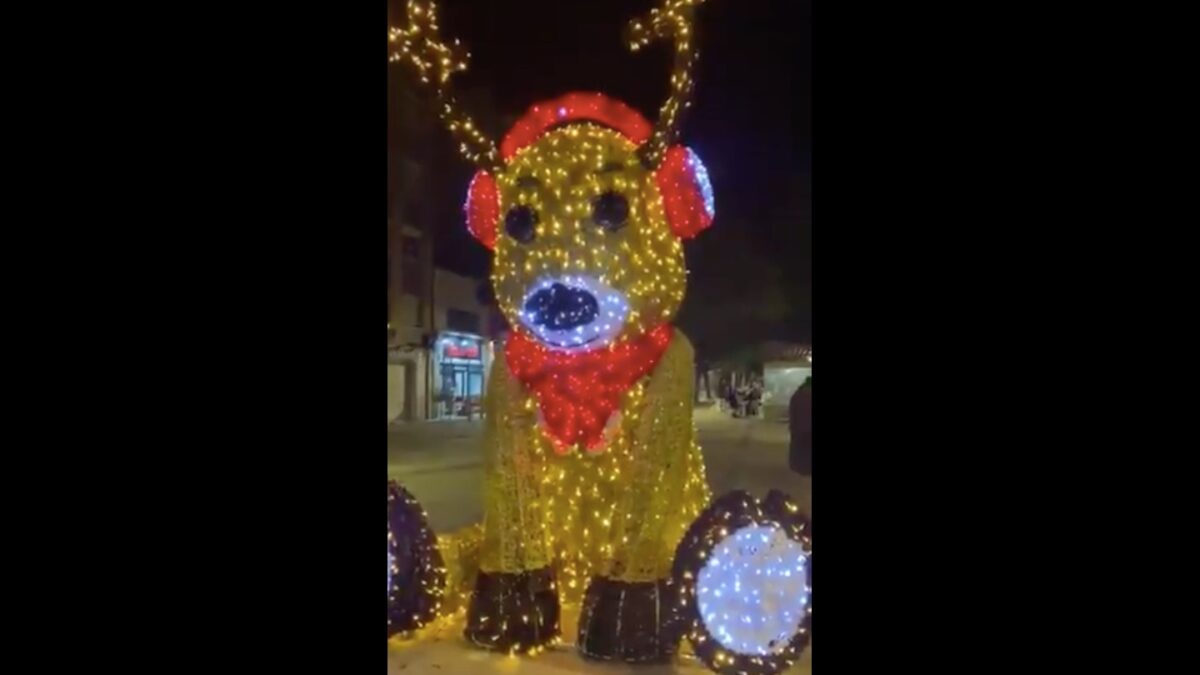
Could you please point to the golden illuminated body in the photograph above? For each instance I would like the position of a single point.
(592, 469)
(617, 514)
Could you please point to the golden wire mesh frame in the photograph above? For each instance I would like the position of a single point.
(672, 19)
(420, 45)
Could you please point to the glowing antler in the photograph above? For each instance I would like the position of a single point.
(435, 62)
(673, 19)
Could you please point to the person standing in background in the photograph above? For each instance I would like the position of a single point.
(800, 426)
(754, 398)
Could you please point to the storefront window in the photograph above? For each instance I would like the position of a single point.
(461, 383)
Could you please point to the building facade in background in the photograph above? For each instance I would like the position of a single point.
(463, 347)
(785, 368)
(438, 362)
(440, 326)
(413, 168)
(411, 320)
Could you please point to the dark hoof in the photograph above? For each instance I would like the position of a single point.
(630, 622)
(513, 612)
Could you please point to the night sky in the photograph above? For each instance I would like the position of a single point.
(751, 123)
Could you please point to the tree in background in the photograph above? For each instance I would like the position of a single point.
(752, 284)
(736, 296)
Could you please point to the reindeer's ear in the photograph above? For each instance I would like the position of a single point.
(483, 208)
(687, 194)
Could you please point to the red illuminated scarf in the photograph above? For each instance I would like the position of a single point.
(578, 392)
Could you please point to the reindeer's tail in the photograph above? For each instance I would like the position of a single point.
(460, 553)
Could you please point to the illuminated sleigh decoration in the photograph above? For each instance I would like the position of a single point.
(744, 570)
(585, 205)
(416, 575)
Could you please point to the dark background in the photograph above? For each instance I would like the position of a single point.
(194, 438)
(751, 124)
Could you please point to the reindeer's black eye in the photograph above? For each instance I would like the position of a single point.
(610, 211)
(521, 223)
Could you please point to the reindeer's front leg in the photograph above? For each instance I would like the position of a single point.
(514, 606)
(626, 610)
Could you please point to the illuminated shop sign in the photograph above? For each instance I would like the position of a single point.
(456, 348)
(453, 351)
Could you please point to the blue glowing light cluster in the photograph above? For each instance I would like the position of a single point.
(613, 310)
(391, 563)
(701, 174)
(753, 590)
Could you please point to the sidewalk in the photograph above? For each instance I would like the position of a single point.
(443, 651)
(419, 447)
(424, 430)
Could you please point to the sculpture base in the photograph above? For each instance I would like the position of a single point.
(440, 649)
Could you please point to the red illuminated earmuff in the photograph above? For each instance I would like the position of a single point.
(483, 208)
(682, 179)
(686, 192)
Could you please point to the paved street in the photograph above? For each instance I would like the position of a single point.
(441, 464)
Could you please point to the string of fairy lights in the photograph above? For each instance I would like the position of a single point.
(435, 61)
(674, 20)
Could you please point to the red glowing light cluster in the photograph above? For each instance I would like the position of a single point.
(683, 200)
(483, 208)
(457, 352)
(578, 392)
(574, 107)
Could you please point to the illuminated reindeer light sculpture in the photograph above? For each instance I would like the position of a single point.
(593, 473)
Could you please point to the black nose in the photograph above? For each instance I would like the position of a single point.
(559, 307)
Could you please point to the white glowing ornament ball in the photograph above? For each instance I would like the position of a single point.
(753, 590)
